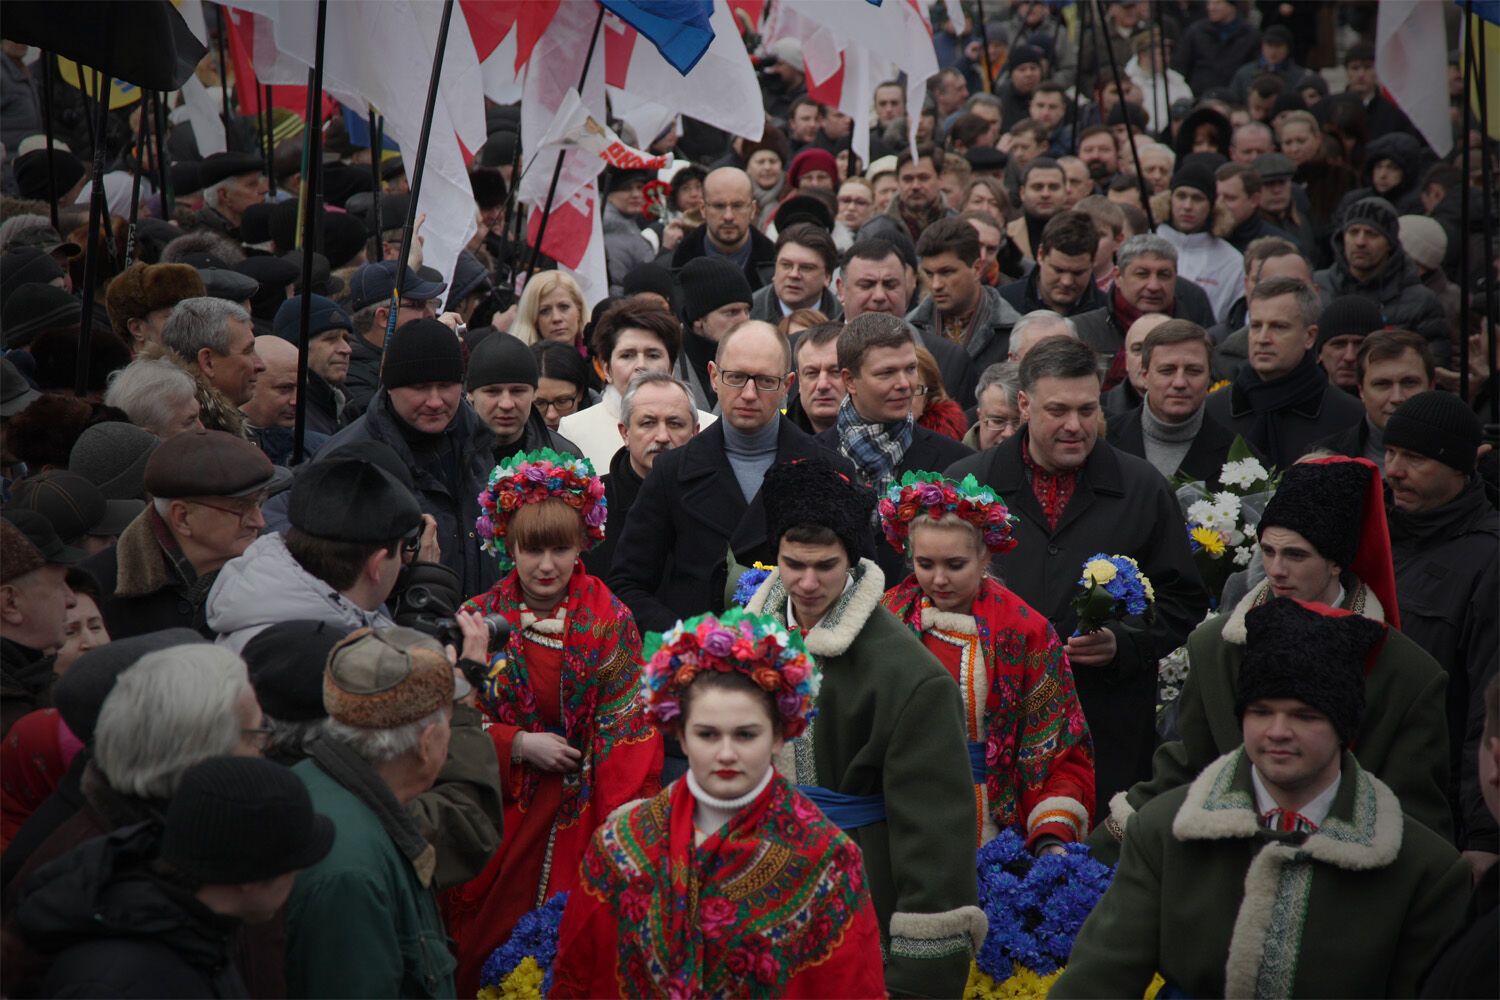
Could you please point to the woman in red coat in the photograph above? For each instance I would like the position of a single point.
(729, 882)
(1028, 742)
(572, 739)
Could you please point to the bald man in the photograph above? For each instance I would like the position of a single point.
(272, 410)
(1132, 389)
(729, 210)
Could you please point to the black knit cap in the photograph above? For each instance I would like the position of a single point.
(501, 359)
(234, 820)
(80, 692)
(1294, 650)
(1378, 214)
(422, 350)
(710, 283)
(349, 500)
(649, 277)
(1197, 176)
(1348, 316)
(1436, 424)
(1322, 502)
(809, 492)
(286, 664)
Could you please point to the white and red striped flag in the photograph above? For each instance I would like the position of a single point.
(1411, 49)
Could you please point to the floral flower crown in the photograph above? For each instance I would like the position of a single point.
(752, 644)
(530, 477)
(934, 495)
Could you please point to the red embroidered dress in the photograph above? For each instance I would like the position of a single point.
(772, 905)
(576, 674)
(1019, 702)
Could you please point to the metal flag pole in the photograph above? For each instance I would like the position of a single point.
(47, 59)
(1486, 169)
(96, 211)
(408, 230)
(224, 80)
(162, 167)
(142, 143)
(1464, 294)
(1114, 68)
(541, 230)
(1083, 30)
(984, 47)
(310, 207)
(377, 140)
(270, 141)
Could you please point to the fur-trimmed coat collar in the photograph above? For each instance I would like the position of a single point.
(1357, 598)
(215, 409)
(842, 623)
(1161, 211)
(142, 565)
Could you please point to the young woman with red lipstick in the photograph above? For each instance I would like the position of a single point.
(572, 740)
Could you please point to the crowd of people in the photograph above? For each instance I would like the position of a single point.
(740, 603)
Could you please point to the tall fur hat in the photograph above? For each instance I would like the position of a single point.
(810, 492)
(141, 289)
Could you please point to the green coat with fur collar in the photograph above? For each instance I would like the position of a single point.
(1221, 907)
(890, 722)
(1402, 738)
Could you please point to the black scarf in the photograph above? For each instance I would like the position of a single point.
(1428, 526)
(1302, 385)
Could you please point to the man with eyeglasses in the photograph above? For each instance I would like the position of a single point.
(370, 301)
(701, 502)
(207, 489)
(875, 428)
(729, 232)
(805, 260)
(352, 524)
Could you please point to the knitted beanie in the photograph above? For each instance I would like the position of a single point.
(1376, 213)
(422, 350)
(501, 359)
(1438, 425)
(1197, 176)
(1310, 652)
(1423, 239)
(1348, 316)
(710, 283)
(649, 277)
(811, 158)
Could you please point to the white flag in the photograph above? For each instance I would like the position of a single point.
(1411, 51)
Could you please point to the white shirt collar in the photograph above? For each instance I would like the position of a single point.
(791, 614)
(1316, 811)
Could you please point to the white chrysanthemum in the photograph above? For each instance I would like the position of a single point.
(1242, 555)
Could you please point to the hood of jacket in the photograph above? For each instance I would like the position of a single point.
(265, 585)
(215, 409)
(1395, 275)
(104, 889)
(1401, 149)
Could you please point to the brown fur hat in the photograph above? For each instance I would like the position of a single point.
(141, 289)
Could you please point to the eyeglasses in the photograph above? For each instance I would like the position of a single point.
(1000, 423)
(562, 404)
(720, 207)
(242, 514)
(763, 383)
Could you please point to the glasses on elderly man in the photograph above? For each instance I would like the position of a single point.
(242, 510)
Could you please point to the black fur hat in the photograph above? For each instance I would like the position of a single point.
(1323, 503)
(809, 492)
(1312, 653)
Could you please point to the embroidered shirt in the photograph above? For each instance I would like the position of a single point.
(1052, 490)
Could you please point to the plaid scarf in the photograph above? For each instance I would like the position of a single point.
(875, 449)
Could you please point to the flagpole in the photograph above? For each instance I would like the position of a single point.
(541, 229)
(168, 203)
(309, 239)
(143, 137)
(1114, 68)
(96, 209)
(47, 59)
(1463, 212)
(375, 250)
(1487, 191)
(409, 228)
(984, 48)
(224, 77)
(1083, 29)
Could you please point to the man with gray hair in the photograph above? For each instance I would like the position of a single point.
(1033, 328)
(1076, 496)
(1282, 402)
(157, 395)
(232, 182)
(214, 341)
(997, 417)
(656, 415)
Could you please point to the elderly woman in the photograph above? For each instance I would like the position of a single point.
(1029, 746)
(572, 740)
(551, 308)
(157, 395)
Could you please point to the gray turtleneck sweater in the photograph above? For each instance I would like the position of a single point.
(751, 455)
(1167, 444)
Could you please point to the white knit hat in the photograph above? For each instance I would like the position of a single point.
(1424, 240)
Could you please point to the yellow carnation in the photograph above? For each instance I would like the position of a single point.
(524, 981)
(1100, 571)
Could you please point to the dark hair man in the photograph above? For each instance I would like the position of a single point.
(959, 306)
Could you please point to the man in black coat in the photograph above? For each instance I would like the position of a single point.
(1443, 541)
(728, 230)
(208, 487)
(701, 503)
(875, 429)
(1214, 48)
(1282, 402)
(1171, 429)
(1076, 496)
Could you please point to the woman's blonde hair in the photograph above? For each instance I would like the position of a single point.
(531, 303)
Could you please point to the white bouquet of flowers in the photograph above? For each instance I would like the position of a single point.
(1223, 521)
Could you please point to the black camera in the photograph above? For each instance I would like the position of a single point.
(446, 631)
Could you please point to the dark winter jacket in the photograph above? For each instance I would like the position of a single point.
(1298, 428)
(689, 515)
(448, 471)
(1291, 74)
(959, 373)
(325, 405)
(758, 270)
(764, 305)
(621, 486)
(1448, 585)
(25, 682)
(364, 373)
(1209, 53)
(112, 927)
(1405, 151)
(1405, 303)
(1121, 505)
(1024, 297)
(1466, 967)
(987, 345)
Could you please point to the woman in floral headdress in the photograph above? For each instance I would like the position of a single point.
(1029, 745)
(573, 741)
(729, 882)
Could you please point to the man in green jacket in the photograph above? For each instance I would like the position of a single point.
(885, 757)
(363, 922)
(1285, 869)
(1323, 538)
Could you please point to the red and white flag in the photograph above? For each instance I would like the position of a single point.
(1411, 49)
(575, 128)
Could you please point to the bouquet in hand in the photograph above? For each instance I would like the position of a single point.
(1111, 589)
(1223, 522)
